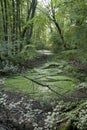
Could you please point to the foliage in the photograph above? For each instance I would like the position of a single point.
(80, 120)
(39, 43)
(55, 41)
(70, 25)
(70, 54)
(27, 26)
(52, 118)
(2, 81)
(54, 24)
(28, 53)
(7, 68)
(83, 56)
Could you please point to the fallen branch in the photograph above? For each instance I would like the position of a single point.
(43, 85)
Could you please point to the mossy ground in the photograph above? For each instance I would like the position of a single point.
(60, 75)
(51, 73)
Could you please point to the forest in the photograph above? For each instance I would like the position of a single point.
(43, 64)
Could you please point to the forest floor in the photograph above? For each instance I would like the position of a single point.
(21, 112)
(27, 99)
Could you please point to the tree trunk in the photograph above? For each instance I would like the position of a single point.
(5, 24)
(29, 30)
(60, 33)
(5, 19)
(13, 21)
(57, 25)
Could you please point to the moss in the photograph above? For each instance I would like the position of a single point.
(20, 84)
(53, 76)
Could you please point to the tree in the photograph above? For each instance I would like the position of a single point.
(76, 14)
(28, 29)
(69, 17)
(53, 18)
(52, 10)
(5, 18)
(17, 23)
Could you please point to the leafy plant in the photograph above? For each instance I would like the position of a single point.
(56, 43)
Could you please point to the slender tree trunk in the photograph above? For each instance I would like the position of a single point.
(9, 5)
(29, 30)
(57, 25)
(13, 27)
(5, 23)
(5, 19)
(13, 21)
(60, 33)
(17, 19)
(34, 4)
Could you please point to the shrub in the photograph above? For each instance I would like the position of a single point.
(28, 53)
(80, 121)
(56, 43)
(7, 67)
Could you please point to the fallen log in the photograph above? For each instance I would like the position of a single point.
(44, 85)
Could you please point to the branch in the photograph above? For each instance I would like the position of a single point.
(43, 85)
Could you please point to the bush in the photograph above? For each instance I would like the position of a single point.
(69, 55)
(39, 43)
(7, 67)
(56, 43)
(80, 121)
(28, 53)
